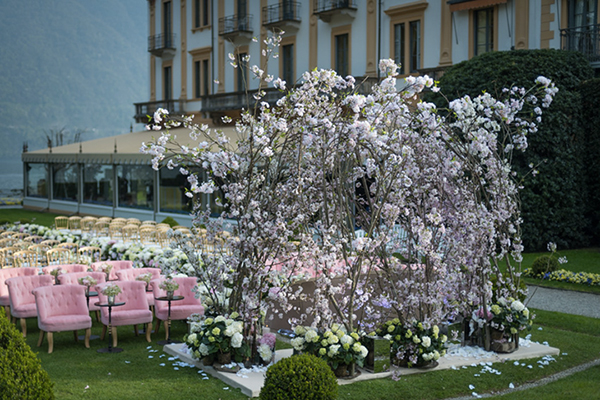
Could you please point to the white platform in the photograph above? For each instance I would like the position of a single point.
(252, 384)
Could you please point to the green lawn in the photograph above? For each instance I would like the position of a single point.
(18, 215)
(133, 374)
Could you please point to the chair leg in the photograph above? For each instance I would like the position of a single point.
(50, 342)
(148, 332)
(97, 316)
(157, 327)
(103, 332)
(88, 333)
(75, 335)
(135, 330)
(166, 329)
(7, 309)
(41, 339)
(114, 335)
(24, 327)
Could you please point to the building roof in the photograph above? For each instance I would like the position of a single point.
(120, 149)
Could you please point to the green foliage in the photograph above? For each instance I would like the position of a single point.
(21, 375)
(544, 264)
(555, 201)
(300, 377)
(170, 221)
(590, 92)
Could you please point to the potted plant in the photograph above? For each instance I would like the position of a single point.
(415, 344)
(145, 278)
(110, 290)
(169, 286)
(87, 281)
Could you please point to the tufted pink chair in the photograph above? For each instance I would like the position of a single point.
(8, 273)
(71, 278)
(65, 268)
(135, 310)
(117, 266)
(22, 302)
(62, 308)
(131, 274)
(180, 309)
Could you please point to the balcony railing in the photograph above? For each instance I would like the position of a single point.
(236, 25)
(237, 100)
(143, 110)
(282, 15)
(162, 44)
(584, 39)
(326, 9)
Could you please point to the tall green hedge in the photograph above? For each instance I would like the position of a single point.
(590, 93)
(21, 374)
(554, 203)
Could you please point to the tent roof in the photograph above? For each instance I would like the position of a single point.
(120, 149)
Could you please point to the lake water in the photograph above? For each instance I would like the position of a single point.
(11, 179)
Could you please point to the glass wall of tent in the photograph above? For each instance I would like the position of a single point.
(173, 196)
(135, 186)
(65, 179)
(37, 180)
(98, 185)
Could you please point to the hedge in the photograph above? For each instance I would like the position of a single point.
(555, 202)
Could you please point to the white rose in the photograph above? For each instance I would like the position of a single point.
(236, 340)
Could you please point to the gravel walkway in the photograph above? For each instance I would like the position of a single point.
(565, 301)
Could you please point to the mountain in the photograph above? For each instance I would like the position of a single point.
(73, 64)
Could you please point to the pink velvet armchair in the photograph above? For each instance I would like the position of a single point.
(131, 274)
(22, 302)
(181, 309)
(62, 308)
(8, 273)
(135, 310)
(116, 266)
(72, 278)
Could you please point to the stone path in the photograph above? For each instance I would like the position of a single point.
(565, 301)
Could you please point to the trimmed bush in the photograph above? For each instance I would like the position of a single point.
(554, 203)
(544, 264)
(21, 374)
(170, 221)
(300, 377)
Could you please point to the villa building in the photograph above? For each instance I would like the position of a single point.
(190, 43)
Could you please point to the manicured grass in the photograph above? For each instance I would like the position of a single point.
(72, 367)
(36, 217)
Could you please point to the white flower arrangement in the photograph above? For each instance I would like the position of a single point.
(111, 289)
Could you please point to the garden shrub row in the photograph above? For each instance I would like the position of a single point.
(555, 203)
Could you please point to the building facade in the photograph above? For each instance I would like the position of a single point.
(190, 43)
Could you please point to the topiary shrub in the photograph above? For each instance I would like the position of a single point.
(544, 264)
(555, 201)
(170, 221)
(300, 377)
(21, 374)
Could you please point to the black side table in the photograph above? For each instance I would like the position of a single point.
(169, 299)
(110, 349)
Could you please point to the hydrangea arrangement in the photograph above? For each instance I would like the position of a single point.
(111, 289)
(146, 278)
(266, 347)
(169, 285)
(56, 272)
(334, 345)
(106, 268)
(87, 281)
(414, 344)
(222, 334)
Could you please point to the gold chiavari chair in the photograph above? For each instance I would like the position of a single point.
(7, 242)
(115, 231)
(20, 235)
(133, 221)
(21, 244)
(58, 256)
(161, 225)
(149, 222)
(6, 256)
(75, 223)
(7, 234)
(34, 239)
(89, 254)
(148, 234)
(26, 258)
(105, 219)
(72, 247)
(87, 224)
(100, 228)
(120, 220)
(50, 242)
(131, 233)
(40, 250)
(61, 222)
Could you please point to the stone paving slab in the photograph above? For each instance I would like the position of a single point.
(565, 301)
(251, 385)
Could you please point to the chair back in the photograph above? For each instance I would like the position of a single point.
(21, 235)
(50, 242)
(26, 258)
(65, 268)
(61, 222)
(117, 265)
(59, 300)
(7, 234)
(58, 256)
(87, 224)
(148, 234)
(149, 222)
(133, 221)
(131, 274)
(100, 228)
(72, 278)
(7, 241)
(131, 233)
(133, 293)
(20, 287)
(115, 231)
(34, 239)
(6, 256)
(8, 273)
